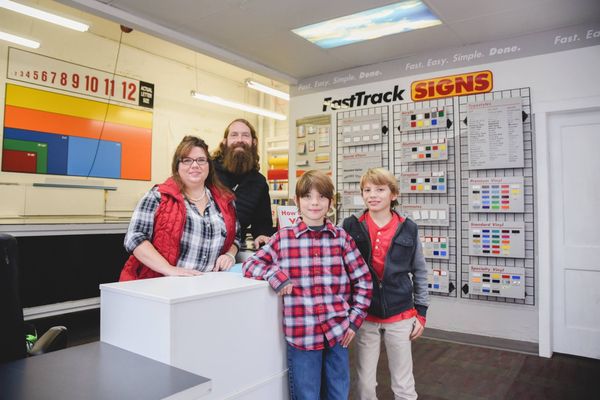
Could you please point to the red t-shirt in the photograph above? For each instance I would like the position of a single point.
(381, 237)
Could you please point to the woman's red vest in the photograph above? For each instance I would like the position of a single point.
(169, 222)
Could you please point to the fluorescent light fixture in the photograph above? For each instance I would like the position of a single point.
(19, 40)
(238, 106)
(267, 89)
(43, 15)
(399, 17)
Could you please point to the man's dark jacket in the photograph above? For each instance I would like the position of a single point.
(252, 200)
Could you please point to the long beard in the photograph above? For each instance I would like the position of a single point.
(239, 162)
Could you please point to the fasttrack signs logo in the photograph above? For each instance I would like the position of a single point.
(361, 99)
(454, 85)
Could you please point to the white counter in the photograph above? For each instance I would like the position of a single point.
(218, 325)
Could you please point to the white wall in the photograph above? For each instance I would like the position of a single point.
(172, 69)
(557, 76)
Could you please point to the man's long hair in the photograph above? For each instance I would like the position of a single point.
(219, 153)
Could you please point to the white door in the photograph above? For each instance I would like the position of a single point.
(574, 140)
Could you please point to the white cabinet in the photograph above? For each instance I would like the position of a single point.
(218, 325)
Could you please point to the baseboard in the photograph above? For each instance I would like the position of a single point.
(482, 341)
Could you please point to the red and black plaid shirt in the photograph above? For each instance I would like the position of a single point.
(331, 282)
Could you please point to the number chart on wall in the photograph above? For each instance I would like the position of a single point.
(425, 165)
(67, 119)
(362, 143)
(496, 139)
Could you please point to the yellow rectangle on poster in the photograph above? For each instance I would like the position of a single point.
(43, 100)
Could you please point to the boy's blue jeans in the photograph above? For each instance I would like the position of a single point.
(318, 374)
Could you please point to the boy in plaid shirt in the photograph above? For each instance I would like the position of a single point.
(326, 288)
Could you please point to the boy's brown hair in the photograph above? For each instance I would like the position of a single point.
(381, 177)
(317, 180)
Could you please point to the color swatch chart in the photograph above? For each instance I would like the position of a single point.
(427, 214)
(361, 130)
(435, 247)
(498, 281)
(424, 150)
(423, 182)
(496, 195)
(496, 239)
(426, 118)
(438, 280)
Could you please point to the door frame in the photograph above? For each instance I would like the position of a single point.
(544, 266)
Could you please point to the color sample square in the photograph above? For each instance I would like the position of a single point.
(422, 119)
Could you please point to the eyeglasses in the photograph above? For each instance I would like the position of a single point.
(188, 161)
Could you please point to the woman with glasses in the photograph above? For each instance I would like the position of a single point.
(186, 225)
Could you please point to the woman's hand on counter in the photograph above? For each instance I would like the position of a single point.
(178, 271)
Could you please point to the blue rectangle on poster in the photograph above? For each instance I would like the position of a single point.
(58, 146)
(92, 157)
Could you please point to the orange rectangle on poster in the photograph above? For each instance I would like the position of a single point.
(136, 142)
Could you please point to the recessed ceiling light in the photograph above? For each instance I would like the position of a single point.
(43, 15)
(238, 106)
(267, 89)
(399, 17)
(19, 40)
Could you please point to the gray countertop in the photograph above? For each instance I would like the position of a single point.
(96, 371)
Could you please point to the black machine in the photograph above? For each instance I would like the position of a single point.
(12, 333)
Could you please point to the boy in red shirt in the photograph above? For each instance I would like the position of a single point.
(392, 248)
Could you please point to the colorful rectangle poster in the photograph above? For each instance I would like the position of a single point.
(67, 129)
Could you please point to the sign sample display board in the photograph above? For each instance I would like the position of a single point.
(495, 134)
(435, 247)
(423, 119)
(352, 199)
(427, 214)
(497, 281)
(438, 281)
(361, 130)
(497, 239)
(313, 143)
(354, 165)
(424, 150)
(423, 182)
(496, 195)
(51, 132)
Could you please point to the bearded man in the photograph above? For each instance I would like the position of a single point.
(236, 162)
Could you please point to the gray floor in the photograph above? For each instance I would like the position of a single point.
(452, 371)
(445, 370)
